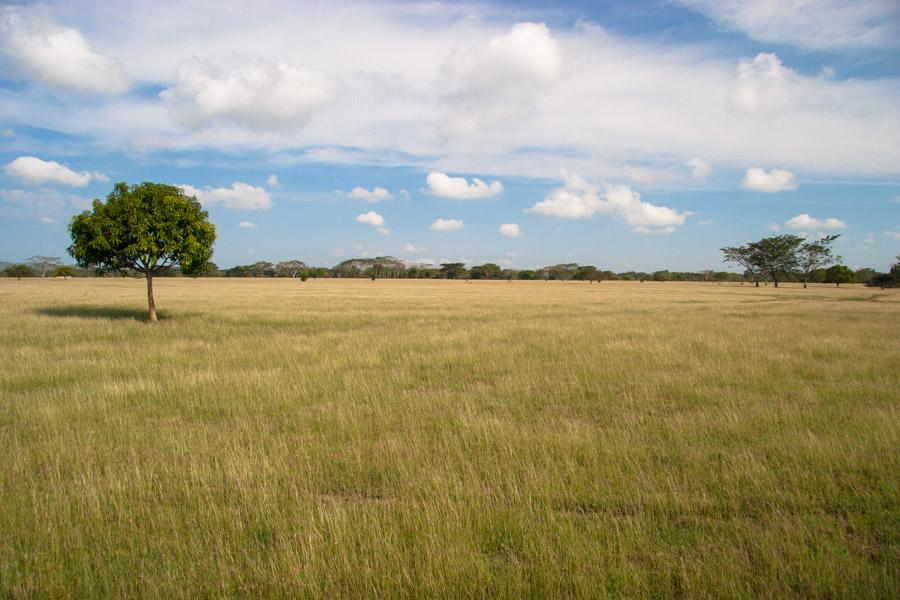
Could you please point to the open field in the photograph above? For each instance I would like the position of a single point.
(421, 439)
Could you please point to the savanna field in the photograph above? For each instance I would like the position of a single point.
(356, 438)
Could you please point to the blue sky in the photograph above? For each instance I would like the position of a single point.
(627, 135)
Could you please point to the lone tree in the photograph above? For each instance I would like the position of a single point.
(815, 255)
(839, 274)
(44, 264)
(18, 271)
(148, 228)
(743, 256)
(775, 255)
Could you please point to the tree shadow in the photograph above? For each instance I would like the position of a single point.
(100, 312)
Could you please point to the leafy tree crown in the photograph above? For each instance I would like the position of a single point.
(148, 227)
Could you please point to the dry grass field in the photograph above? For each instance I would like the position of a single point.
(340, 438)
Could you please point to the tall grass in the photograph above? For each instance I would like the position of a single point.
(414, 439)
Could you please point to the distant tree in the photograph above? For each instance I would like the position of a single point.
(561, 272)
(262, 268)
(587, 273)
(453, 270)
(486, 271)
(44, 264)
(816, 255)
(743, 256)
(289, 268)
(865, 275)
(775, 256)
(839, 274)
(887, 280)
(18, 271)
(65, 272)
(148, 228)
(528, 274)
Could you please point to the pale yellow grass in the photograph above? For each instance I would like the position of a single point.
(432, 439)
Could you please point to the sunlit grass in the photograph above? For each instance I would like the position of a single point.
(339, 438)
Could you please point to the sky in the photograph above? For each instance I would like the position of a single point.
(628, 135)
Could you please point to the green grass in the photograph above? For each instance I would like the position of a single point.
(340, 438)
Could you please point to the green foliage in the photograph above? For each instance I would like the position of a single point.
(65, 271)
(18, 271)
(486, 271)
(453, 270)
(815, 255)
(148, 228)
(839, 274)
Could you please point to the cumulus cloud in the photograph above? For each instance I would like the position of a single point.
(580, 199)
(441, 184)
(240, 196)
(700, 169)
(526, 55)
(447, 225)
(272, 181)
(43, 51)
(804, 221)
(814, 24)
(48, 220)
(413, 249)
(375, 220)
(510, 230)
(776, 180)
(377, 194)
(763, 85)
(265, 96)
(34, 171)
(495, 83)
(892, 235)
(246, 225)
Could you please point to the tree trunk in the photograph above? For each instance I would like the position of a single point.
(150, 302)
(775, 281)
(804, 284)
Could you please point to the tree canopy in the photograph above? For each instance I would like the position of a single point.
(148, 228)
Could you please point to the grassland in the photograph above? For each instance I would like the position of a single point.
(442, 439)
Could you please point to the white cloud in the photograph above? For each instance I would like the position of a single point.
(495, 84)
(48, 220)
(34, 171)
(579, 199)
(375, 220)
(763, 85)
(773, 227)
(804, 221)
(510, 230)
(447, 225)
(41, 50)
(892, 235)
(412, 249)
(240, 196)
(776, 180)
(700, 169)
(814, 24)
(246, 225)
(272, 181)
(511, 254)
(441, 184)
(265, 97)
(656, 101)
(370, 218)
(377, 194)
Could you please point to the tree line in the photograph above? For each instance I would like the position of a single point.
(388, 267)
(795, 258)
